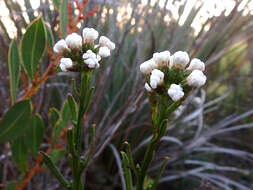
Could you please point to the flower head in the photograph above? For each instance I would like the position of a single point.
(179, 60)
(90, 35)
(196, 78)
(104, 41)
(175, 92)
(74, 41)
(147, 66)
(104, 51)
(156, 78)
(91, 59)
(65, 63)
(161, 58)
(196, 64)
(60, 46)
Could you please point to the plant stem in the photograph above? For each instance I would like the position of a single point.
(84, 99)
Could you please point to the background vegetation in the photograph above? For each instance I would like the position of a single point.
(209, 142)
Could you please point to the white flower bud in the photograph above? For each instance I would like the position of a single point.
(104, 51)
(65, 63)
(90, 35)
(156, 78)
(91, 59)
(104, 41)
(91, 63)
(148, 88)
(162, 58)
(60, 46)
(196, 64)
(147, 66)
(74, 41)
(179, 60)
(175, 92)
(196, 78)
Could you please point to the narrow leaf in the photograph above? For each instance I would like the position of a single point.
(63, 17)
(50, 37)
(62, 121)
(34, 134)
(55, 170)
(33, 45)
(54, 115)
(15, 121)
(19, 154)
(14, 69)
(73, 107)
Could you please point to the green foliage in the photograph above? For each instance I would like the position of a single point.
(11, 186)
(62, 121)
(57, 4)
(63, 17)
(20, 153)
(14, 69)
(50, 37)
(15, 121)
(34, 134)
(33, 46)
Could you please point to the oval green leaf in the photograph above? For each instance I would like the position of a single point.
(15, 121)
(33, 45)
(19, 154)
(14, 69)
(34, 135)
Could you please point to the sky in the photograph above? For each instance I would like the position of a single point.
(210, 8)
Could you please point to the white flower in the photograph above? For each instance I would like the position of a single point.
(147, 66)
(156, 78)
(179, 60)
(65, 63)
(162, 58)
(196, 64)
(196, 78)
(90, 35)
(91, 59)
(60, 46)
(104, 51)
(147, 87)
(92, 63)
(74, 41)
(104, 41)
(175, 92)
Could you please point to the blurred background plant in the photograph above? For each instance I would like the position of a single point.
(209, 141)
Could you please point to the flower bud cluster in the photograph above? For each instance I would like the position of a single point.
(172, 75)
(80, 53)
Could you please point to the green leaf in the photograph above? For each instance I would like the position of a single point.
(54, 116)
(50, 37)
(15, 121)
(19, 154)
(33, 45)
(62, 121)
(64, 17)
(57, 154)
(11, 185)
(14, 69)
(56, 4)
(73, 107)
(48, 161)
(34, 134)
